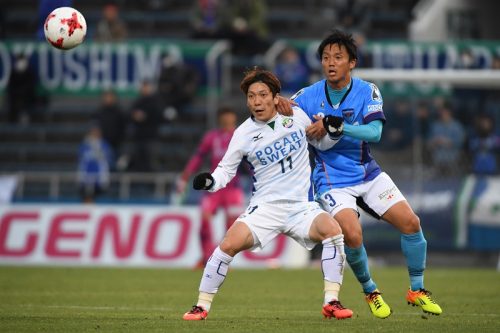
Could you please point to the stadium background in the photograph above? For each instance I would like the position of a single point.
(424, 55)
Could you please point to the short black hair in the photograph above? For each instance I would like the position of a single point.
(341, 39)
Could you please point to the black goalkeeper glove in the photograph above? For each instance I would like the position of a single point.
(203, 181)
(334, 126)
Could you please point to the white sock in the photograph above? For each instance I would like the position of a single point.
(331, 291)
(332, 265)
(213, 276)
(205, 300)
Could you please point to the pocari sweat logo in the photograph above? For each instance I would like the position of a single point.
(281, 148)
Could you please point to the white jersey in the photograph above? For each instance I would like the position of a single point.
(277, 152)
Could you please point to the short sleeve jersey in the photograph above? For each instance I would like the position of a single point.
(277, 152)
(349, 162)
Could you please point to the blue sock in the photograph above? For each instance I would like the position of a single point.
(358, 260)
(414, 248)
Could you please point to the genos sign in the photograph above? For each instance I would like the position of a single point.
(117, 235)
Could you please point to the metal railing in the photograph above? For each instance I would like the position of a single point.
(53, 181)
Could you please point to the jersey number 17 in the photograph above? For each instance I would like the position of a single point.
(282, 162)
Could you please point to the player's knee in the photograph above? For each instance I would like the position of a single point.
(353, 239)
(413, 224)
(333, 230)
(336, 230)
(228, 247)
(324, 227)
(232, 246)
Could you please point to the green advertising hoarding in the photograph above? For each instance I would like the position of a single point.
(92, 67)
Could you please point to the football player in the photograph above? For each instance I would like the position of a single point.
(276, 148)
(347, 176)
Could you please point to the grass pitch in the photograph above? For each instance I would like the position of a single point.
(35, 299)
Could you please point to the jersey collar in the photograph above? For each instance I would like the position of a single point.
(343, 98)
(270, 122)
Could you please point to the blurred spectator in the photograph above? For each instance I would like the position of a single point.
(110, 28)
(245, 26)
(206, 18)
(495, 63)
(446, 141)
(21, 90)
(484, 146)
(492, 99)
(146, 116)
(291, 71)
(423, 115)
(94, 162)
(467, 60)
(112, 121)
(45, 7)
(213, 146)
(398, 131)
(423, 123)
(177, 85)
(364, 56)
(8, 186)
(353, 15)
(467, 101)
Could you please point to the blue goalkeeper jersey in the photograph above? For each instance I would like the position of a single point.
(349, 162)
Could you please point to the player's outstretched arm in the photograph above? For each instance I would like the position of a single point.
(203, 181)
(371, 132)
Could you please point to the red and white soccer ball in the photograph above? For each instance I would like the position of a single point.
(65, 28)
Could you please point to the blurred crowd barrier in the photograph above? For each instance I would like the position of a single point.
(167, 235)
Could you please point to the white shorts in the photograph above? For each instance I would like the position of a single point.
(379, 194)
(292, 218)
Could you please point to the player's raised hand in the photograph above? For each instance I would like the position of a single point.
(316, 130)
(334, 126)
(285, 106)
(203, 181)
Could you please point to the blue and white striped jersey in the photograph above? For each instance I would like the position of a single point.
(349, 162)
(277, 152)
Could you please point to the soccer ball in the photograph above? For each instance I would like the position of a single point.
(65, 28)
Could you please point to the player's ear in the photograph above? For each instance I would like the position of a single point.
(352, 64)
(276, 99)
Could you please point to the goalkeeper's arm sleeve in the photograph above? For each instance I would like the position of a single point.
(370, 132)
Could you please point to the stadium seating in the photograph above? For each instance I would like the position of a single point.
(170, 18)
(51, 142)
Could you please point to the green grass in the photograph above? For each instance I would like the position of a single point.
(34, 299)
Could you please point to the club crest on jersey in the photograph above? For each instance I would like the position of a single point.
(287, 122)
(348, 115)
(376, 96)
(322, 104)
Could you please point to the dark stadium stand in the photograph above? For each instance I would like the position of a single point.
(170, 18)
(50, 143)
(54, 147)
